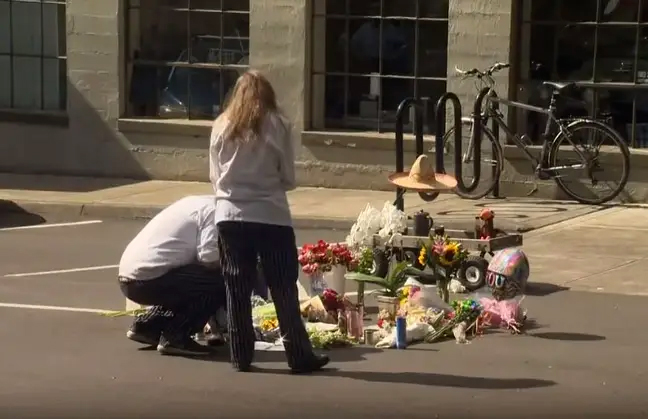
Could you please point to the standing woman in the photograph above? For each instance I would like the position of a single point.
(251, 161)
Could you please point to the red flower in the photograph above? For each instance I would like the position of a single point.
(324, 255)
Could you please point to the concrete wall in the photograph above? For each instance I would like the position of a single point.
(86, 143)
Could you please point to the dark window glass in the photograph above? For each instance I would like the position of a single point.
(378, 53)
(180, 61)
(33, 55)
(600, 43)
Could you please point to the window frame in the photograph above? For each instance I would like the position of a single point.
(132, 45)
(318, 72)
(40, 115)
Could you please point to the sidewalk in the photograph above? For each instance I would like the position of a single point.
(311, 207)
(571, 246)
(604, 252)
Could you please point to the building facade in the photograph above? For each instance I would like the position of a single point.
(127, 88)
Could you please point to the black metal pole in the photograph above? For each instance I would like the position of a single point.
(440, 114)
(495, 130)
(400, 152)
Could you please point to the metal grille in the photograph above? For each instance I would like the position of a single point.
(600, 44)
(33, 74)
(377, 53)
(185, 55)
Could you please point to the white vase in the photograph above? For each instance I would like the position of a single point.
(335, 280)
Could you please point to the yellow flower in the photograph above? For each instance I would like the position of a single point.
(450, 254)
(422, 259)
(269, 324)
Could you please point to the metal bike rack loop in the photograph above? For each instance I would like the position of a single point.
(477, 115)
(404, 106)
(440, 114)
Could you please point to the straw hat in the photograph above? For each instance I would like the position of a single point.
(422, 178)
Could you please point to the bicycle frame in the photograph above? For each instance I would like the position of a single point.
(541, 163)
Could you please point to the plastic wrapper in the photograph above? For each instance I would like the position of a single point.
(413, 333)
(426, 297)
(507, 314)
(459, 332)
(263, 312)
(456, 287)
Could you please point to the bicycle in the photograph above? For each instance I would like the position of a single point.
(547, 166)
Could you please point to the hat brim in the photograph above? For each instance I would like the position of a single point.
(441, 182)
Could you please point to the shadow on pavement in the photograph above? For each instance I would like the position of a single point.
(431, 379)
(565, 336)
(542, 289)
(13, 215)
(340, 355)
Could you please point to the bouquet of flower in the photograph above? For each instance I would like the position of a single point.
(323, 256)
(445, 257)
(464, 311)
(443, 252)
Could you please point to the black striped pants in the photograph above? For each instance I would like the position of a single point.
(182, 300)
(240, 243)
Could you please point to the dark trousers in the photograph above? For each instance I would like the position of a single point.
(240, 244)
(182, 300)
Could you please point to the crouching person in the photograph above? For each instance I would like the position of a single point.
(172, 266)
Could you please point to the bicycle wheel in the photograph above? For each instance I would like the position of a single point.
(491, 160)
(597, 143)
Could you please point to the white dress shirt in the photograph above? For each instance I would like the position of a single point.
(251, 178)
(183, 233)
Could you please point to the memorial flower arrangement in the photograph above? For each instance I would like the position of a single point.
(331, 321)
(443, 252)
(322, 257)
(445, 257)
(462, 319)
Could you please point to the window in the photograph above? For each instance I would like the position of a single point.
(32, 55)
(375, 54)
(601, 43)
(184, 55)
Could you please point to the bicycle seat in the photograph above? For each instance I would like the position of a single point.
(559, 87)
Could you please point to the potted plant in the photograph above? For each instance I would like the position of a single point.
(389, 297)
(326, 264)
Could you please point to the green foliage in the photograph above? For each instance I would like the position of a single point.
(365, 261)
(395, 279)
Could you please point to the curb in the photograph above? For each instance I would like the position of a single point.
(142, 212)
(145, 212)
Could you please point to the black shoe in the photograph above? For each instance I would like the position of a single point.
(186, 347)
(215, 339)
(139, 334)
(316, 363)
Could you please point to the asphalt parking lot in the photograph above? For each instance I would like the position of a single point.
(584, 358)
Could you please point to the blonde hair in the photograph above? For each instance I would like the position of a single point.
(250, 101)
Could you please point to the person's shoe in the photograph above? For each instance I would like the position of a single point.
(144, 337)
(215, 339)
(186, 347)
(316, 363)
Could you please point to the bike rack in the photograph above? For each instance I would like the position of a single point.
(439, 117)
(440, 114)
(419, 105)
(476, 115)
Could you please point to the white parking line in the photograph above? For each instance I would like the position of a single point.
(76, 223)
(63, 271)
(56, 308)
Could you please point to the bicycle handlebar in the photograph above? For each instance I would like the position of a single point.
(487, 73)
